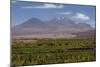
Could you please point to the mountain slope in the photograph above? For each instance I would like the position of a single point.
(86, 34)
(57, 27)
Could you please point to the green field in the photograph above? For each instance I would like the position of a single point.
(52, 51)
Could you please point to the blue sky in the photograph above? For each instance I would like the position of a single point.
(22, 11)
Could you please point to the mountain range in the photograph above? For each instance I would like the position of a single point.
(59, 27)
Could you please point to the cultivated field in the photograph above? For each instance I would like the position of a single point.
(52, 51)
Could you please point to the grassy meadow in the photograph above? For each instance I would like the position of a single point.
(52, 51)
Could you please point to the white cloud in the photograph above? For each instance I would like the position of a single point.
(45, 6)
(92, 23)
(13, 1)
(76, 16)
(65, 13)
(81, 16)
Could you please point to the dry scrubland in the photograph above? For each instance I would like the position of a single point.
(52, 51)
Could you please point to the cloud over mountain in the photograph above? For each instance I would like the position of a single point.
(77, 15)
(81, 16)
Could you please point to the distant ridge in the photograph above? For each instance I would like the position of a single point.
(59, 27)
